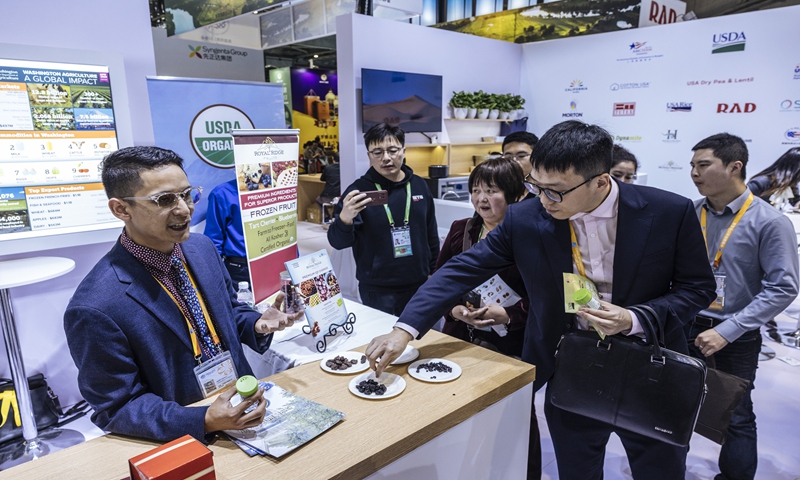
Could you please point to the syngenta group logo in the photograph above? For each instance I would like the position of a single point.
(684, 107)
(203, 52)
(790, 106)
(576, 86)
(728, 42)
(211, 133)
(736, 107)
(573, 111)
(195, 52)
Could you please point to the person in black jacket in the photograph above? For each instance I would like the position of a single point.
(395, 245)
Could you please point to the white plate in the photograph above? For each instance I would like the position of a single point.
(358, 367)
(440, 377)
(409, 355)
(395, 384)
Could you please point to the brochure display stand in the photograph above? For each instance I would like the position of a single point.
(16, 273)
(333, 329)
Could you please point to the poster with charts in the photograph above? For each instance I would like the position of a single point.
(56, 126)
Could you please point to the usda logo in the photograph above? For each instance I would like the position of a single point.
(211, 133)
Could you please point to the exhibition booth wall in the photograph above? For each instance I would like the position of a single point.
(674, 85)
(123, 29)
(465, 62)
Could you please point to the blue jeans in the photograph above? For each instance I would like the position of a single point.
(738, 458)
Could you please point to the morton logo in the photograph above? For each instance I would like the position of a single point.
(211, 133)
(195, 52)
(736, 108)
(728, 42)
(573, 113)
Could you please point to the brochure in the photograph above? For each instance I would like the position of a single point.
(319, 290)
(290, 422)
(572, 283)
(496, 291)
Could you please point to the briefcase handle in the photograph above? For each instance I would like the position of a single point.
(648, 318)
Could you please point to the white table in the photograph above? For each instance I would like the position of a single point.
(291, 347)
(16, 273)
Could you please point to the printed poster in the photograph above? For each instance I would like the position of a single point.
(266, 173)
(319, 290)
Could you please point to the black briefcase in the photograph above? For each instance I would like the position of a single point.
(630, 383)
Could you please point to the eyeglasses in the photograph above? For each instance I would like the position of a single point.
(556, 197)
(169, 200)
(379, 152)
(518, 157)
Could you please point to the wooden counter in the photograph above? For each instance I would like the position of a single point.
(309, 187)
(373, 433)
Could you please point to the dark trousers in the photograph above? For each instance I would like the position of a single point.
(534, 446)
(238, 270)
(392, 303)
(580, 447)
(738, 457)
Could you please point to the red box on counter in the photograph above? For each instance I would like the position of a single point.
(177, 460)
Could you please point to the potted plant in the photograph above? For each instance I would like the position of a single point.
(472, 107)
(494, 112)
(516, 106)
(483, 103)
(504, 105)
(460, 102)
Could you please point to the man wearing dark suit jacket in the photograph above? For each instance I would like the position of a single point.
(639, 245)
(159, 304)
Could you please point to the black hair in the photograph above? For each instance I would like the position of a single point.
(380, 132)
(621, 154)
(785, 172)
(728, 148)
(121, 169)
(572, 144)
(521, 137)
(502, 173)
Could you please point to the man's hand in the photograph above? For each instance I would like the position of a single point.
(610, 320)
(274, 319)
(481, 317)
(710, 342)
(386, 347)
(222, 416)
(352, 204)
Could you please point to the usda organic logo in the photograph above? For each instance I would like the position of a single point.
(211, 133)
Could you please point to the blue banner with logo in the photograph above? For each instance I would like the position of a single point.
(194, 118)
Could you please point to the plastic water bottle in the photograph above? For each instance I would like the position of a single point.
(245, 295)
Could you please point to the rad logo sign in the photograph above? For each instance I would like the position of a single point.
(684, 107)
(211, 133)
(791, 136)
(573, 111)
(218, 54)
(628, 86)
(660, 12)
(671, 136)
(639, 52)
(576, 86)
(624, 109)
(736, 107)
(728, 42)
(790, 106)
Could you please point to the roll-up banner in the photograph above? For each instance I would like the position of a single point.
(266, 173)
(194, 118)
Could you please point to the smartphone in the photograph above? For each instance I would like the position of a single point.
(379, 197)
(472, 299)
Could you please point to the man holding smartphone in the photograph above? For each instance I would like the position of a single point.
(388, 217)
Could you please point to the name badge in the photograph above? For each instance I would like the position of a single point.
(401, 240)
(215, 374)
(719, 302)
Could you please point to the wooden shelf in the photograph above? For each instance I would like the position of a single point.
(474, 144)
(477, 120)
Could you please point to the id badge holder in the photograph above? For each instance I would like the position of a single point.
(401, 241)
(719, 302)
(215, 374)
